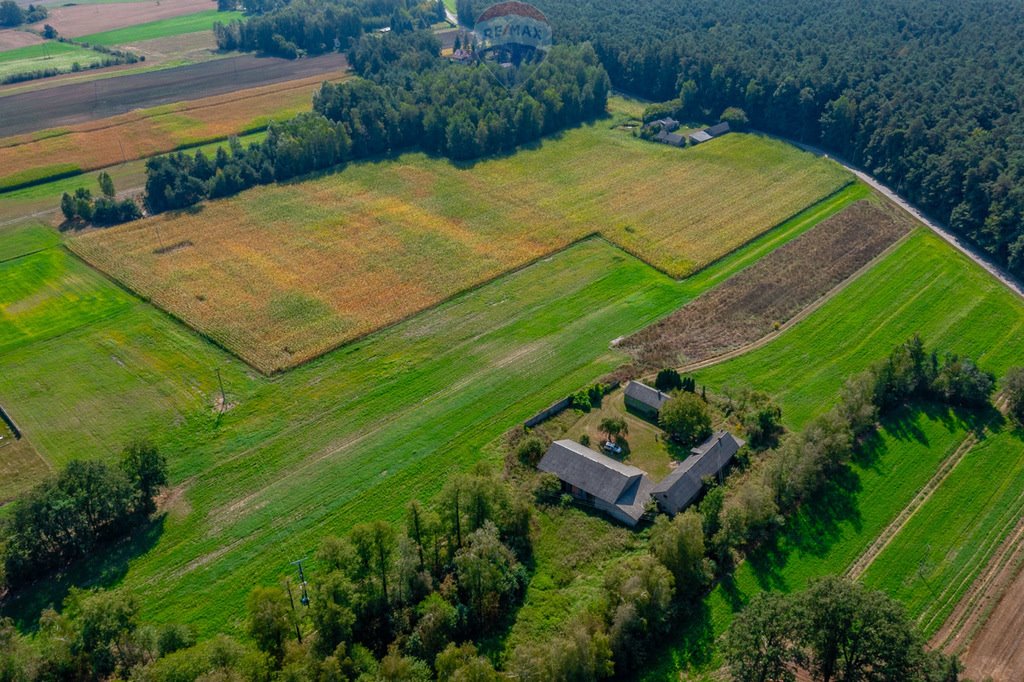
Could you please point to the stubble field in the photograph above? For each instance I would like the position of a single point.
(281, 274)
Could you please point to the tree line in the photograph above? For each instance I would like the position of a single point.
(923, 94)
(73, 513)
(312, 27)
(387, 602)
(407, 97)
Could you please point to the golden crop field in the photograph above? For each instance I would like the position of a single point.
(283, 273)
(146, 132)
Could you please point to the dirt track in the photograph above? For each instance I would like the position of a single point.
(81, 102)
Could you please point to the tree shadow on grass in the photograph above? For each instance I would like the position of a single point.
(105, 568)
(690, 645)
(812, 531)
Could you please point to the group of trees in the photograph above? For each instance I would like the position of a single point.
(316, 26)
(12, 14)
(642, 597)
(69, 515)
(408, 97)
(871, 82)
(412, 596)
(837, 630)
(102, 210)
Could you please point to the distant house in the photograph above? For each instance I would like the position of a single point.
(699, 136)
(680, 488)
(717, 129)
(674, 139)
(667, 124)
(644, 400)
(619, 490)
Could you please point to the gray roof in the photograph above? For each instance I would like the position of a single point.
(717, 129)
(643, 393)
(608, 480)
(667, 123)
(670, 138)
(680, 487)
(700, 136)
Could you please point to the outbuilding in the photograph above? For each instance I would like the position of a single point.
(680, 488)
(619, 490)
(644, 400)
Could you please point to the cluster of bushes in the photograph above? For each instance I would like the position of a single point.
(69, 515)
(457, 111)
(315, 27)
(12, 14)
(103, 210)
(836, 629)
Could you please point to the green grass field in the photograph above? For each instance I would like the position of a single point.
(348, 437)
(932, 561)
(923, 287)
(48, 55)
(189, 23)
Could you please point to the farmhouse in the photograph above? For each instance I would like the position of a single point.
(620, 490)
(644, 400)
(718, 129)
(674, 139)
(680, 488)
(666, 124)
(699, 136)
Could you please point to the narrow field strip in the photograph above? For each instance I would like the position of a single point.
(856, 570)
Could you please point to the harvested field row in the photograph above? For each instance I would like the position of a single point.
(78, 102)
(767, 294)
(281, 274)
(140, 134)
(162, 28)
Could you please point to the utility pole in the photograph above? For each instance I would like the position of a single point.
(223, 402)
(302, 581)
(291, 600)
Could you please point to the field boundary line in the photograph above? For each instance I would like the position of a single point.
(803, 314)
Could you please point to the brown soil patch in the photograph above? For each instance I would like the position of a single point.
(753, 303)
(80, 20)
(986, 629)
(13, 38)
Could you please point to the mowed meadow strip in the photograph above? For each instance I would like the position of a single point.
(283, 273)
(139, 134)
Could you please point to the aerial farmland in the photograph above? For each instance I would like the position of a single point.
(297, 299)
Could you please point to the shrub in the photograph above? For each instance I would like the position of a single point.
(668, 380)
(548, 490)
(581, 400)
(685, 417)
(1013, 386)
(530, 450)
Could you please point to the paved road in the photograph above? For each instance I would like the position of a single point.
(80, 102)
(964, 247)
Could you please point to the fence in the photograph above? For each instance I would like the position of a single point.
(561, 405)
(10, 423)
